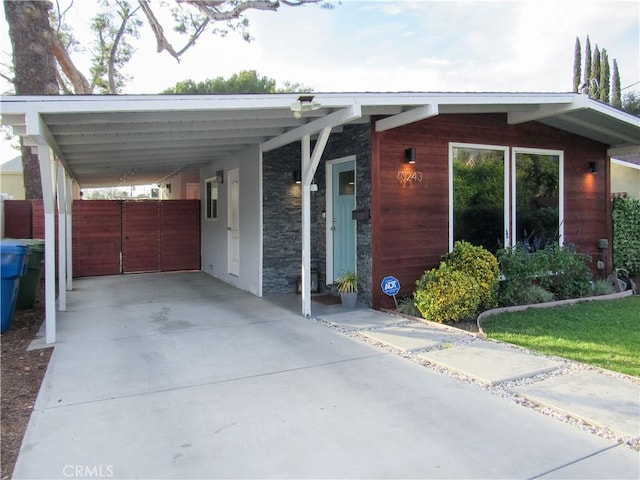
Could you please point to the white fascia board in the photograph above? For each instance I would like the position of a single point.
(334, 119)
(622, 163)
(404, 118)
(150, 103)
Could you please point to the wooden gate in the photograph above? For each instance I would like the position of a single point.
(120, 236)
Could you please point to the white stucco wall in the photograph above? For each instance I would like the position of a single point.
(625, 179)
(214, 232)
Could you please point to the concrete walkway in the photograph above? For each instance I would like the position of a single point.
(182, 376)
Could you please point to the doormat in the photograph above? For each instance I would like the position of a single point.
(326, 299)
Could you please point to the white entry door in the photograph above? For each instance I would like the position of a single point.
(233, 222)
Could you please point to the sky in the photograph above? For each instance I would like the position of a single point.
(388, 46)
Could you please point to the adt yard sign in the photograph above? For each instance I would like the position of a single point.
(390, 285)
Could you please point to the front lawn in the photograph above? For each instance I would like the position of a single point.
(601, 333)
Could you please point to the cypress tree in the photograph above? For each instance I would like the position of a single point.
(594, 82)
(577, 61)
(616, 92)
(604, 77)
(587, 63)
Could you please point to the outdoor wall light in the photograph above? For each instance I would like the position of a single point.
(297, 176)
(410, 155)
(593, 167)
(168, 185)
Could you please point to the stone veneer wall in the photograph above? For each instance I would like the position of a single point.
(282, 203)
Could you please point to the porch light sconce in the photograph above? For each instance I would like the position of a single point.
(410, 155)
(297, 176)
(593, 167)
(168, 186)
(220, 176)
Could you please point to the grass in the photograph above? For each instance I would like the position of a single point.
(601, 333)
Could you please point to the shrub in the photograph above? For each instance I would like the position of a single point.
(407, 305)
(602, 287)
(481, 265)
(626, 234)
(519, 269)
(465, 283)
(559, 270)
(535, 294)
(569, 275)
(444, 294)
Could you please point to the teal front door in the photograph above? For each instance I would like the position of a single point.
(344, 228)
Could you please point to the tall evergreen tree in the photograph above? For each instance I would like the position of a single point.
(616, 92)
(577, 65)
(604, 77)
(587, 62)
(594, 81)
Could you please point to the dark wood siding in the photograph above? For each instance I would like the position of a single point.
(410, 221)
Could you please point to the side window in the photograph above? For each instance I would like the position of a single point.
(211, 198)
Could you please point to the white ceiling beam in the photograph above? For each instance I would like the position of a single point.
(544, 111)
(150, 146)
(98, 138)
(410, 116)
(173, 127)
(334, 119)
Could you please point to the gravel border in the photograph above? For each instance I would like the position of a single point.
(502, 389)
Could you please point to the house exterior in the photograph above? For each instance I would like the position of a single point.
(625, 175)
(11, 179)
(296, 190)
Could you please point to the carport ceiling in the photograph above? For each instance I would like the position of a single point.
(135, 140)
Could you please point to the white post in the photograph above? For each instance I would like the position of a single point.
(47, 175)
(306, 227)
(69, 248)
(62, 243)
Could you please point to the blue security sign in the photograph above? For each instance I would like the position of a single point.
(390, 285)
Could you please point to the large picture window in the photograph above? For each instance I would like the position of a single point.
(211, 198)
(495, 203)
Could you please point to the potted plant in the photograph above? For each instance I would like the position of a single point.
(347, 287)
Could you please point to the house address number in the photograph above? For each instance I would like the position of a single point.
(404, 177)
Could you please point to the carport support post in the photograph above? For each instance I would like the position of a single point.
(47, 175)
(69, 196)
(62, 235)
(306, 228)
(309, 166)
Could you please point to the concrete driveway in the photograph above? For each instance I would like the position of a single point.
(181, 376)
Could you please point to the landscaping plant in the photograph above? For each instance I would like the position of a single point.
(465, 283)
(626, 234)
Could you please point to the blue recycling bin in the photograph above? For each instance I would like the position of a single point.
(14, 265)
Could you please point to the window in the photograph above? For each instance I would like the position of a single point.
(493, 202)
(211, 198)
(537, 197)
(478, 195)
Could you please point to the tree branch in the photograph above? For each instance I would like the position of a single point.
(162, 42)
(127, 15)
(211, 10)
(78, 80)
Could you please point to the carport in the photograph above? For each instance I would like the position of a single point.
(134, 140)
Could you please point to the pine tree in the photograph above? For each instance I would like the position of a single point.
(587, 63)
(616, 92)
(577, 65)
(604, 77)
(594, 81)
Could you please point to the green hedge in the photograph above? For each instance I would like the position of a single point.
(626, 234)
